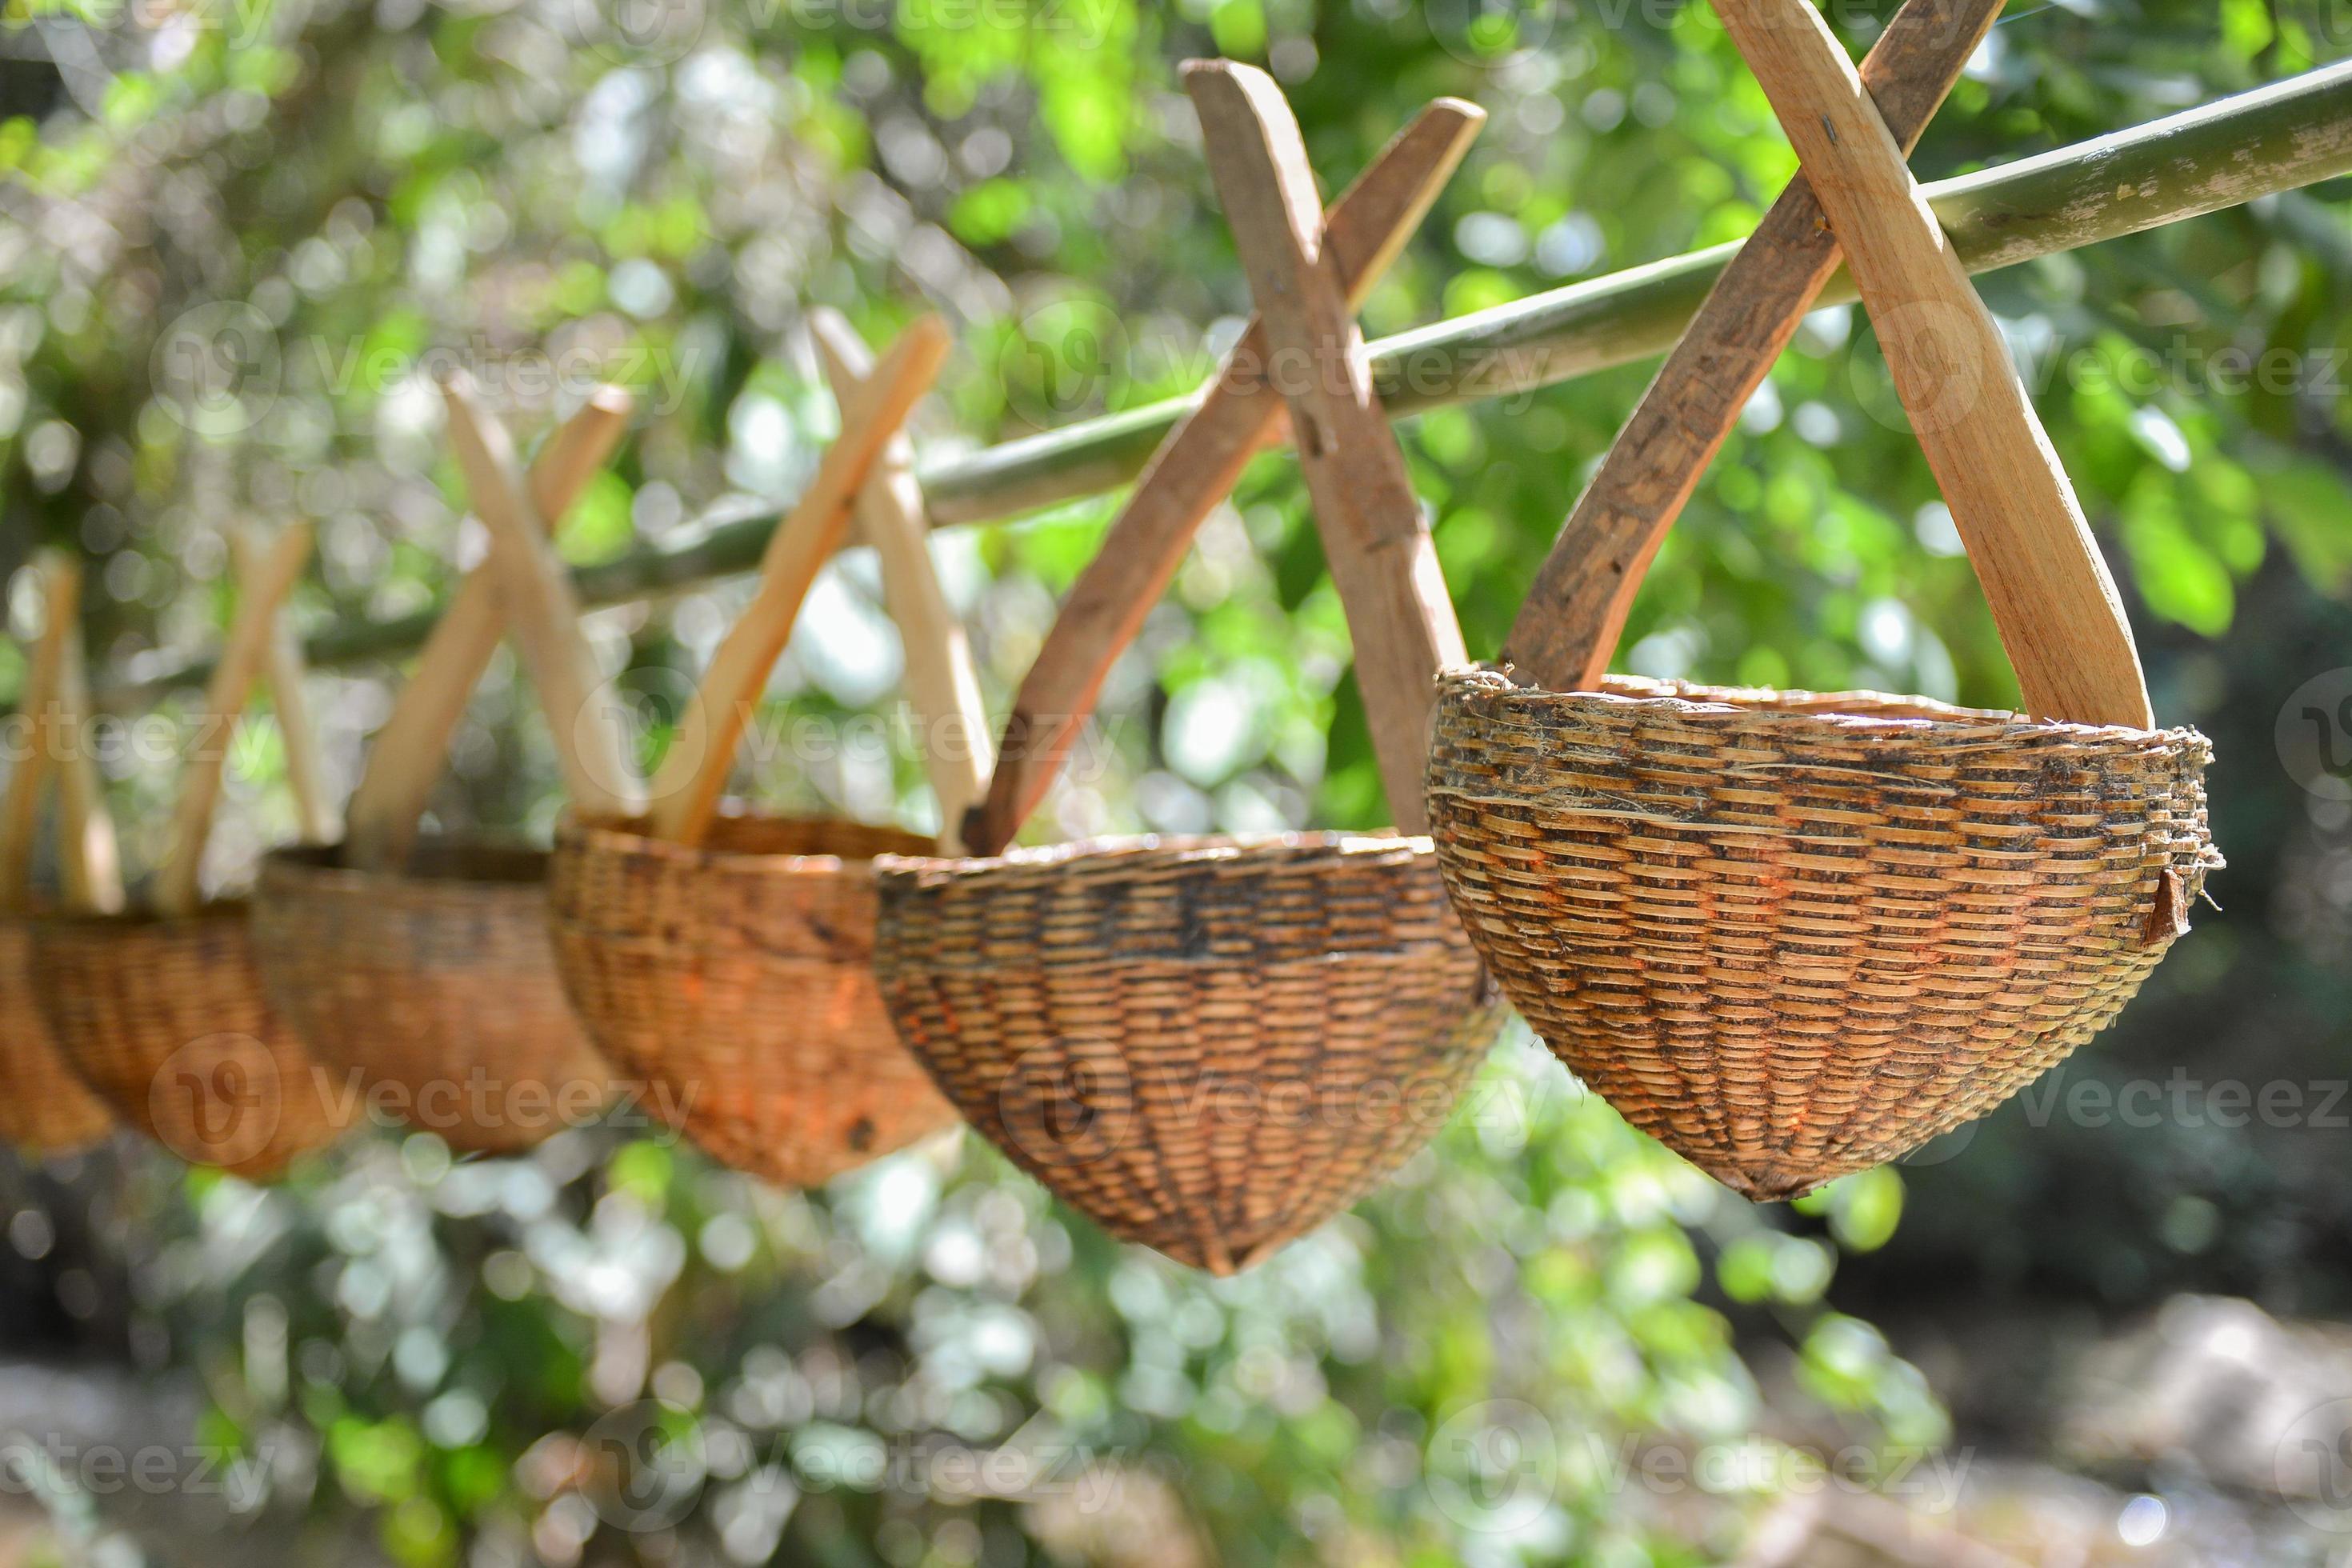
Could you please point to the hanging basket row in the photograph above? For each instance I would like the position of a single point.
(1789, 934)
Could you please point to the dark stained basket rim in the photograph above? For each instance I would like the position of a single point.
(734, 834)
(141, 919)
(1848, 715)
(1247, 899)
(456, 866)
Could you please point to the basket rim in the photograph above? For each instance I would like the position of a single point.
(1891, 715)
(141, 919)
(1149, 851)
(444, 866)
(580, 835)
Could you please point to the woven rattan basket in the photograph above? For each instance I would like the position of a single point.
(44, 1109)
(1212, 1046)
(1209, 1046)
(419, 972)
(1793, 935)
(166, 1019)
(433, 992)
(735, 982)
(163, 1013)
(726, 961)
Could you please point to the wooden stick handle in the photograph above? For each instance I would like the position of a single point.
(542, 613)
(34, 735)
(694, 774)
(282, 673)
(244, 655)
(1375, 538)
(1195, 468)
(90, 860)
(1575, 613)
(412, 747)
(940, 680)
(2056, 607)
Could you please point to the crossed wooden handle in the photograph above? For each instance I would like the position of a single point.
(2056, 607)
(1300, 363)
(2053, 599)
(53, 745)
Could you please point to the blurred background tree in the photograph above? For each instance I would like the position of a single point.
(237, 237)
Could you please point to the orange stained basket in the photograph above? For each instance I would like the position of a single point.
(1212, 1046)
(422, 973)
(726, 960)
(1794, 935)
(162, 1013)
(44, 1109)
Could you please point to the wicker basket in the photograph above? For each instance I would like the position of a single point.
(166, 1020)
(43, 1110)
(1793, 935)
(433, 991)
(1209, 1047)
(736, 981)
(1212, 1046)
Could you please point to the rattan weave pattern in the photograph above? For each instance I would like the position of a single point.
(1209, 1046)
(736, 980)
(44, 1109)
(167, 1021)
(1796, 934)
(436, 985)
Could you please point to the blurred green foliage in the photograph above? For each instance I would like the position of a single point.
(237, 240)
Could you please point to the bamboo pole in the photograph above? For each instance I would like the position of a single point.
(2275, 139)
